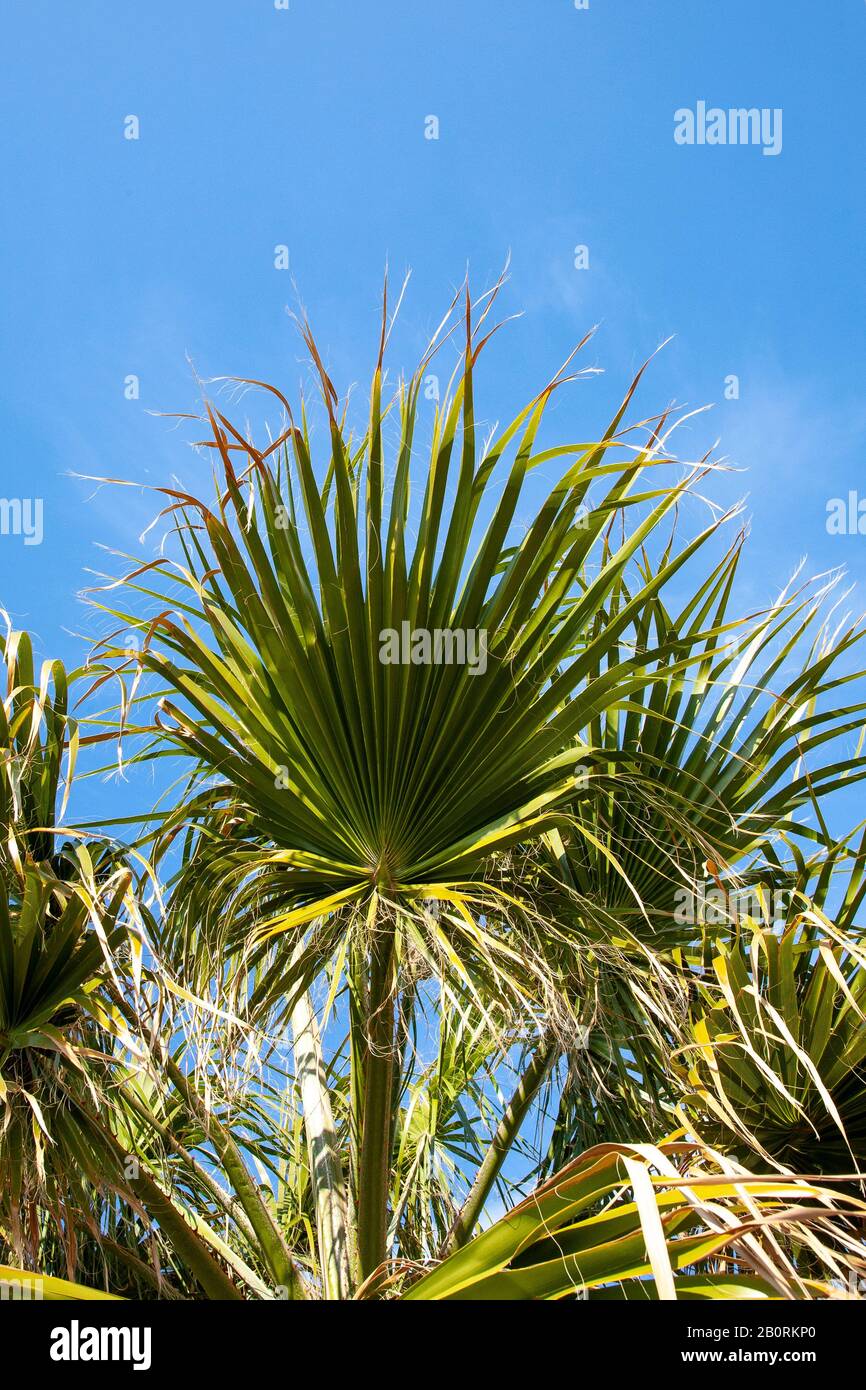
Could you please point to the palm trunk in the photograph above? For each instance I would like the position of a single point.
(375, 1156)
(326, 1170)
(185, 1240)
(159, 1207)
(282, 1267)
(502, 1141)
(280, 1263)
(224, 1199)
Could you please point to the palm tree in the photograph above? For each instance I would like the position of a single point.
(373, 834)
(776, 1056)
(418, 908)
(689, 814)
(68, 1191)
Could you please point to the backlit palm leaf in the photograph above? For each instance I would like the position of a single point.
(651, 1222)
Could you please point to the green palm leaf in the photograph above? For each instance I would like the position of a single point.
(24, 1284)
(627, 1221)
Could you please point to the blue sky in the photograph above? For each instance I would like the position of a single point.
(305, 127)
